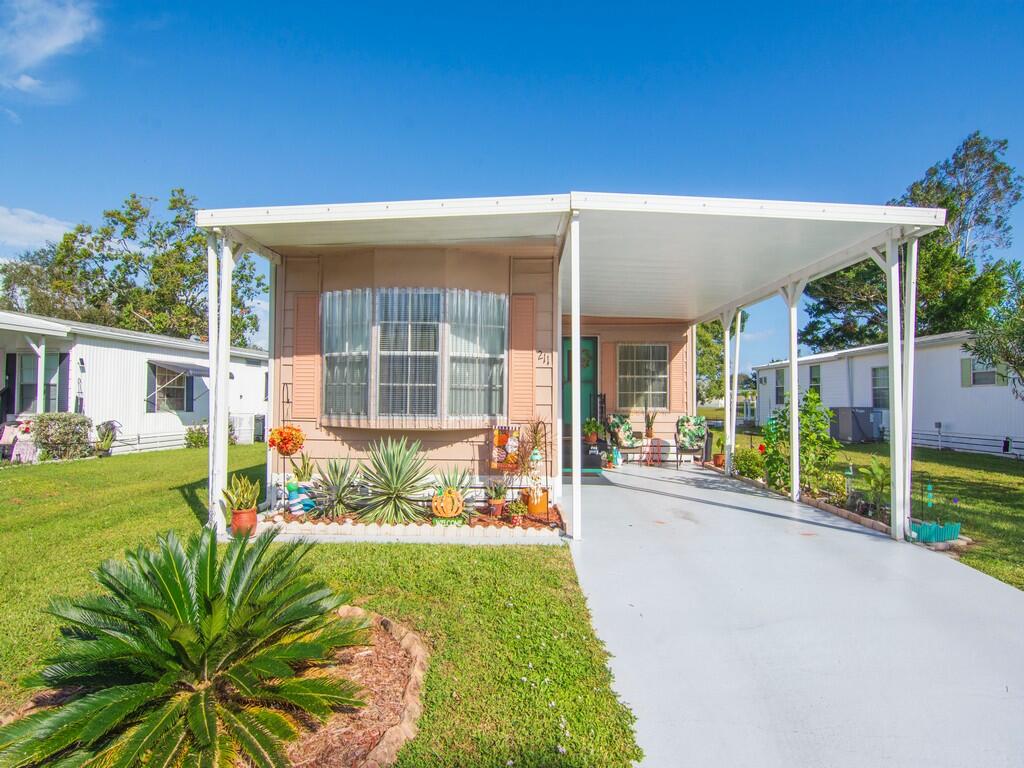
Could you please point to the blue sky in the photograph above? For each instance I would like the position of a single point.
(251, 103)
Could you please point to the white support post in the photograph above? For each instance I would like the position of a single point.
(213, 296)
(271, 496)
(736, 376)
(791, 294)
(909, 341)
(576, 434)
(219, 430)
(41, 376)
(559, 446)
(896, 422)
(727, 318)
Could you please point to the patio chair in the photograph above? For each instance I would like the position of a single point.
(691, 432)
(621, 432)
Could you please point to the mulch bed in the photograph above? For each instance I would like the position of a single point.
(382, 669)
(482, 519)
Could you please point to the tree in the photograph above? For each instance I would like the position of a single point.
(958, 281)
(136, 270)
(710, 359)
(999, 338)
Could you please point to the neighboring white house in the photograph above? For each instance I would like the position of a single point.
(958, 403)
(154, 386)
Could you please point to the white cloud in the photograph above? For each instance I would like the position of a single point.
(34, 31)
(11, 115)
(22, 228)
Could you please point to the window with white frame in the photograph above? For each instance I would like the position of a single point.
(880, 386)
(982, 373)
(169, 391)
(643, 375)
(780, 386)
(815, 379)
(434, 353)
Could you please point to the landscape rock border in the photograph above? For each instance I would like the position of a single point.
(385, 753)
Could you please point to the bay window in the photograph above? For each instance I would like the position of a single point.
(413, 353)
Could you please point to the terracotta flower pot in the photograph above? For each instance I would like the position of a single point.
(648, 433)
(537, 508)
(496, 507)
(718, 459)
(590, 438)
(243, 522)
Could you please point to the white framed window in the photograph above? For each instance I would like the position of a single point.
(28, 373)
(815, 378)
(880, 386)
(982, 374)
(347, 317)
(421, 352)
(642, 376)
(780, 386)
(170, 389)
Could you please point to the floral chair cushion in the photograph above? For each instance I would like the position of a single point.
(622, 431)
(691, 432)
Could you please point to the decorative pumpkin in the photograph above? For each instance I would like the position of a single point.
(448, 504)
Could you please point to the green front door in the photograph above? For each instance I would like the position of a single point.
(588, 378)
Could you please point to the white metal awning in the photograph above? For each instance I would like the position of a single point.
(641, 255)
(189, 369)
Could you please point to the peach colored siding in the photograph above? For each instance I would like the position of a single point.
(611, 332)
(305, 272)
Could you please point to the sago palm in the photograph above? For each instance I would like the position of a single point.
(397, 482)
(190, 659)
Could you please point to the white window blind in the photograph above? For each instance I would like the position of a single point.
(477, 331)
(409, 335)
(346, 318)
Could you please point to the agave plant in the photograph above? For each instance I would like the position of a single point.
(190, 660)
(396, 483)
(303, 471)
(335, 489)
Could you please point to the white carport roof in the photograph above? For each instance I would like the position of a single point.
(640, 255)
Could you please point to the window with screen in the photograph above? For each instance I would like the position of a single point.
(880, 387)
(347, 317)
(815, 379)
(780, 386)
(169, 391)
(476, 353)
(643, 376)
(982, 373)
(409, 335)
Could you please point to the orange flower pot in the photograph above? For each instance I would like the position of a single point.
(243, 522)
(537, 508)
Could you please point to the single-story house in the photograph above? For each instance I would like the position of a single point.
(154, 386)
(958, 402)
(442, 319)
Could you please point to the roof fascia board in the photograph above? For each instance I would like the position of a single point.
(868, 349)
(140, 337)
(400, 209)
(31, 325)
(778, 209)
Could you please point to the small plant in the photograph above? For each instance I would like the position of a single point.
(43, 455)
(532, 437)
(242, 493)
(190, 659)
(303, 471)
(591, 429)
(106, 433)
(287, 440)
(833, 485)
(749, 463)
(335, 489)
(776, 449)
(649, 416)
(879, 481)
(197, 436)
(516, 511)
(496, 491)
(720, 443)
(397, 481)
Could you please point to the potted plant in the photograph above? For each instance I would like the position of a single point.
(496, 493)
(517, 511)
(607, 460)
(105, 435)
(648, 423)
(531, 452)
(241, 497)
(718, 457)
(591, 430)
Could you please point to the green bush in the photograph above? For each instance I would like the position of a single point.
(196, 436)
(62, 435)
(191, 659)
(817, 446)
(749, 463)
(833, 486)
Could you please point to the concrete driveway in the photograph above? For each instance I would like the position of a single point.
(746, 630)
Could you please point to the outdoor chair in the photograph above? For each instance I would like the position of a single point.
(691, 432)
(621, 432)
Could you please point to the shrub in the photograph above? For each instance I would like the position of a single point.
(776, 449)
(63, 435)
(833, 485)
(335, 489)
(397, 480)
(749, 463)
(817, 446)
(190, 659)
(879, 482)
(196, 436)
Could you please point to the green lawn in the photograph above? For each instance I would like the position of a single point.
(990, 490)
(516, 671)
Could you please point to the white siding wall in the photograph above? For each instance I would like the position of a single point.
(978, 416)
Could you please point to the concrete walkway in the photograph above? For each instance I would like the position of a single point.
(746, 630)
